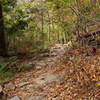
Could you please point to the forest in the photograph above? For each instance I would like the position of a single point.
(49, 49)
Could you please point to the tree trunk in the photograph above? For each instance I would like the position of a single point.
(3, 49)
(49, 27)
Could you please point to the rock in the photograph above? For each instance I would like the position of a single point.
(22, 84)
(41, 64)
(27, 67)
(58, 49)
(49, 60)
(46, 78)
(57, 98)
(35, 98)
(3, 95)
(30, 90)
(15, 98)
(9, 86)
(45, 54)
(28, 74)
(53, 54)
(39, 67)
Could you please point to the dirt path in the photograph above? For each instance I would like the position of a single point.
(71, 76)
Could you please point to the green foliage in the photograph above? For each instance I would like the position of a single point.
(37, 24)
(4, 75)
(8, 67)
(98, 84)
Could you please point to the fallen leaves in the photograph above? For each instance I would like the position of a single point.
(81, 79)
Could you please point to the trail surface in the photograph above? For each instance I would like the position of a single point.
(58, 75)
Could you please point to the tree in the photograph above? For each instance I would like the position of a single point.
(3, 49)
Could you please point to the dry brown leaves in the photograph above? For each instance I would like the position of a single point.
(81, 76)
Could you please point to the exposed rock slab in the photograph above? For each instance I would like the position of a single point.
(47, 78)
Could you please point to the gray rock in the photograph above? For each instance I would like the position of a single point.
(35, 98)
(15, 98)
(45, 78)
(53, 54)
(9, 86)
(45, 54)
(40, 64)
(30, 90)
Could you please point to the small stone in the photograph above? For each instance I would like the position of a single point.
(9, 86)
(15, 98)
(35, 98)
(30, 90)
(57, 98)
(41, 64)
(44, 55)
(38, 67)
(53, 54)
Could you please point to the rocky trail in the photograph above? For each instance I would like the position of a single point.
(61, 74)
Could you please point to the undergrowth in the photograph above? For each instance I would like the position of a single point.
(7, 68)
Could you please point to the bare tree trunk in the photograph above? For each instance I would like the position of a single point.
(53, 30)
(49, 28)
(58, 36)
(3, 49)
(42, 21)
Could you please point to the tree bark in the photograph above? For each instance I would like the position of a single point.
(49, 27)
(3, 49)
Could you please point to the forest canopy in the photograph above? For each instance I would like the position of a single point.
(33, 25)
